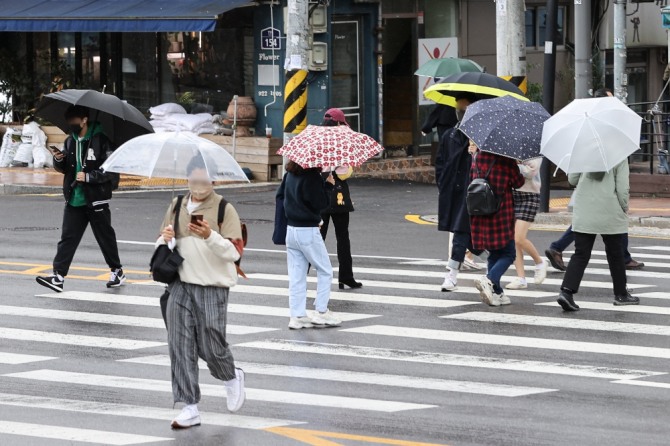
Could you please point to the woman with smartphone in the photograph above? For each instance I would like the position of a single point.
(197, 306)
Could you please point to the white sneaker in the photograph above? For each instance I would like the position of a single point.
(485, 287)
(188, 417)
(540, 273)
(296, 323)
(472, 265)
(517, 284)
(327, 318)
(235, 394)
(502, 298)
(449, 284)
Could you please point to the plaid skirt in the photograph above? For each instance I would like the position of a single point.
(526, 205)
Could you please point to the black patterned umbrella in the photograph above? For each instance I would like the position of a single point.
(506, 126)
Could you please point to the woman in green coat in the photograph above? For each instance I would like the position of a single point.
(600, 207)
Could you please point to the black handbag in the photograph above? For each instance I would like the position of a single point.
(164, 264)
(480, 198)
(340, 199)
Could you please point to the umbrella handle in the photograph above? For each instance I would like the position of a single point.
(560, 162)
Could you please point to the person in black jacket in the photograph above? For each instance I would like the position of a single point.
(306, 194)
(87, 190)
(340, 207)
(441, 116)
(452, 174)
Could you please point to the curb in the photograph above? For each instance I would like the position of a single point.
(27, 189)
(565, 219)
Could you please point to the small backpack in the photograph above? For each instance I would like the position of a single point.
(222, 214)
(480, 198)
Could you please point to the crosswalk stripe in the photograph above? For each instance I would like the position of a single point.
(653, 384)
(513, 341)
(266, 395)
(654, 295)
(409, 285)
(114, 319)
(647, 309)
(445, 359)
(654, 248)
(646, 255)
(380, 379)
(127, 410)
(17, 359)
(259, 310)
(71, 339)
(579, 324)
(75, 434)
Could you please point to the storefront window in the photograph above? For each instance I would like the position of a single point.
(441, 18)
(138, 67)
(90, 60)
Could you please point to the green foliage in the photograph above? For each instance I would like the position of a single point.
(15, 91)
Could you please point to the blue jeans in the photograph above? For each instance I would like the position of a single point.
(461, 242)
(568, 238)
(305, 246)
(499, 262)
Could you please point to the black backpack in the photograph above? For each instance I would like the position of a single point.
(480, 198)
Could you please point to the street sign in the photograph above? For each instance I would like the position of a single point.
(665, 14)
(270, 39)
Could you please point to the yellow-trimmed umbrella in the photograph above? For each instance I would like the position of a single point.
(482, 85)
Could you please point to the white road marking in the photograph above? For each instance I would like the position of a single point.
(267, 395)
(380, 379)
(654, 295)
(260, 310)
(114, 319)
(17, 359)
(580, 324)
(652, 384)
(653, 248)
(353, 351)
(75, 434)
(71, 339)
(126, 410)
(513, 341)
(646, 309)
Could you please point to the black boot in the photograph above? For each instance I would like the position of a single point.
(566, 301)
(351, 283)
(626, 299)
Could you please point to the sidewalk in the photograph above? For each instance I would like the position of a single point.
(24, 180)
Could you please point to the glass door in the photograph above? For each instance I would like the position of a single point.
(346, 70)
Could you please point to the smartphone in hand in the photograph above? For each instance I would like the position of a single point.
(196, 219)
(55, 151)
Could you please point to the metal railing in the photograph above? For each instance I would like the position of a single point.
(655, 136)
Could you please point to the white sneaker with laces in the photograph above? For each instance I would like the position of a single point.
(472, 265)
(540, 273)
(517, 284)
(296, 323)
(116, 278)
(502, 298)
(328, 318)
(188, 417)
(449, 284)
(235, 394)
(485, 287)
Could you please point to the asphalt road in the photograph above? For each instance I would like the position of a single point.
(410, 365)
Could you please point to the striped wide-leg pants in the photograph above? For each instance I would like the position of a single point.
(196, 324)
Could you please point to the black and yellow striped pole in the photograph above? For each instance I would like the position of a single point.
(519, 81)
(295, 101)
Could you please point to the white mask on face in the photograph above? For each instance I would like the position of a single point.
(200, 191)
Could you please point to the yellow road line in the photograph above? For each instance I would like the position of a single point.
(318, 438)
(418, 220)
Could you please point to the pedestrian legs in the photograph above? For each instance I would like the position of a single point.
(499, 261)
(459, 245)
(297, 274)
(101, 224)
(614, 247)
(566, 239)
(522, 243)
(305, 246)
(341, 224)
(75, 221)
(578, 262)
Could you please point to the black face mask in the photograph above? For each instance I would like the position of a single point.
(75, 128)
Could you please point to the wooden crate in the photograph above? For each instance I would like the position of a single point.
(259, 154)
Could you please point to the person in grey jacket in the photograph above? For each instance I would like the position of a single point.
(600, 207)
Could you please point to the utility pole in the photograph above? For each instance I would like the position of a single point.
(620, 76)
(295, 64)
(583, 49)
(511, 40)
(548, 94)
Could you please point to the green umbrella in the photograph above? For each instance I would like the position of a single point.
(447, 66)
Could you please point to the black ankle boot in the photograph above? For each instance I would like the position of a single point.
(626, 299)
(567, 302)
(351, 283)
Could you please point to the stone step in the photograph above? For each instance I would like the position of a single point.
(424, 174)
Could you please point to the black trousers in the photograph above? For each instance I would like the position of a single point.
(75, 221)
(341, 223)
(580, 259)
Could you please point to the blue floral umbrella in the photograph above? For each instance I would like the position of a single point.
(506, 126)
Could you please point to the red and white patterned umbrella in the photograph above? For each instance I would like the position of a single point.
(319, 146)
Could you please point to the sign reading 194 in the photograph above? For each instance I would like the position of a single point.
(270, 39)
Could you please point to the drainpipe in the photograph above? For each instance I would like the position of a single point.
(380, 73)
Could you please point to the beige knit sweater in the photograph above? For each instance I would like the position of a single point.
(211, 261)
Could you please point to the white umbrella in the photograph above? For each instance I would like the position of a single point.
(591, 135)
(166, 155)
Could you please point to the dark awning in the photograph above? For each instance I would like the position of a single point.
(113, 15)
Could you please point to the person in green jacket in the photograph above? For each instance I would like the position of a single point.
(600, 207)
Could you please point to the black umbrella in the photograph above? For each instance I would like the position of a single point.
(120, 121)
(481, 85)
(506, 126)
